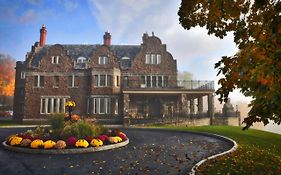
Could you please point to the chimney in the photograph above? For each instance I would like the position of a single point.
(43, 33)
(107, 39)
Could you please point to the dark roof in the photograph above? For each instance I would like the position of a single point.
(76, 51)
(125, 51)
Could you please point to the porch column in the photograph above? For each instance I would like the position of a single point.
(126, 102)
(211, 107)
(184, 104)
(58, 105)
(200, 104)
(191, 106)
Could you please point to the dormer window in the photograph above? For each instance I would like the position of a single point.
(151, 58)
(80, 63)
(81, 60)
(55, 59)
(103, 60)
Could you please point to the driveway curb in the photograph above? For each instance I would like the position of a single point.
(234, 147)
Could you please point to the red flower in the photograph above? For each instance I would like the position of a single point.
(71, 141)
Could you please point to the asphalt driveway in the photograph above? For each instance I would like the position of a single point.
(150, 151)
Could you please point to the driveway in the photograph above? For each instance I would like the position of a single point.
(150, 151)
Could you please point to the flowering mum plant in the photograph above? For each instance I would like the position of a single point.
(31, 139)
(70, 104)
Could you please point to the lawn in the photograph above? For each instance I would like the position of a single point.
(258, 152)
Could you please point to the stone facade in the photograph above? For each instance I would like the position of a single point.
(106, 81)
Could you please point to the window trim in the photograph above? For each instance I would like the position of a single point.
(108, 80)
(55, 60)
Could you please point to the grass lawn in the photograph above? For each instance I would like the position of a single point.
(258, 152)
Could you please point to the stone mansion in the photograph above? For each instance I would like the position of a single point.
(106, 81)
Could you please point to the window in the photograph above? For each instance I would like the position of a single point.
(160, 81)
(101, 106)
(50, 105)
(55, 59)
(80, 63)
(103, 60)
(22, 75)
(117, 81)
(153, 81)
(116, 107)
(147, 59)
(126, 81)
(103, 80)
(165, 81)
(152, 59)
(143, 80)
(158, 61)
(38, 81)
(71, 81)
(56, 81)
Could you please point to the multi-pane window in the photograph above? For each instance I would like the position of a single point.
(38, 81)
(103, 80)
(72, 81)
(152, 58)
(153, 81)
(101, 105)
(103, 60)
(56, 81)
(55, 59)
(50, 105)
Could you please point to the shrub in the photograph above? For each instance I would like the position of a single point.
(57, 121)
(99, 129)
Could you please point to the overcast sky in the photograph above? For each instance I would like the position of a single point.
(84, 22)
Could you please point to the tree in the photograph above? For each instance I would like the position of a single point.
(256, 68)
(7, 79)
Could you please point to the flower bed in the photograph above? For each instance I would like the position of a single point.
(69, 133)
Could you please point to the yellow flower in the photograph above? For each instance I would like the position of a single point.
(115, 139)
(15, 140)
(49, 144)
(96, 143)
(36, 143)
(119, 139)
(82, 143)
(70, 104)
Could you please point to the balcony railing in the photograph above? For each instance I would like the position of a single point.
(182, 84)
(196, 84)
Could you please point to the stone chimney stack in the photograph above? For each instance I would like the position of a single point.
(43, 33)
(107, 39)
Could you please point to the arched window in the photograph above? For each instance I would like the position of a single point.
(80, 63)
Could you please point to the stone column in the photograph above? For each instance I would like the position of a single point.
(184, 104)
(200, 104)
(211, 110)
(191, 106)
(58, 105)
(63, 105)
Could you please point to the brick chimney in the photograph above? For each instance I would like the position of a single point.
(107, 39)
(43, 33)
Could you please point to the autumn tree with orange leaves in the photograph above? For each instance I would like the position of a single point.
(7, 79)
(256, 68)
